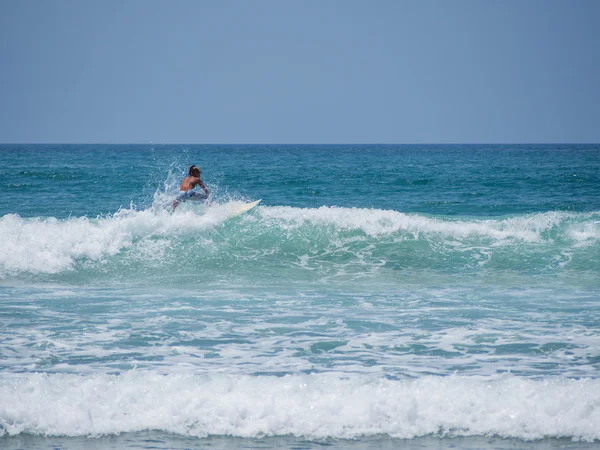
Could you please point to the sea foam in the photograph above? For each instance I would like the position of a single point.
(313, 406)
(50, 245)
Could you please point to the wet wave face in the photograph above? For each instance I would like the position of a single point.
(328, 241)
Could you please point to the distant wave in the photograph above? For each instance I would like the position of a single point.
(299, 237)
(312, 406)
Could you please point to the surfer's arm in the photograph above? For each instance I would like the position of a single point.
(201, 184)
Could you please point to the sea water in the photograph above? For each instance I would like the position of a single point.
(394, 296)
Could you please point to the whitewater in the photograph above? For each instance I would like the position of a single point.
(371, 237)
(379, 296)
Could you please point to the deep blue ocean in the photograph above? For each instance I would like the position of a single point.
(380, 296)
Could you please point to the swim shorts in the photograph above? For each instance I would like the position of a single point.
(190, 195)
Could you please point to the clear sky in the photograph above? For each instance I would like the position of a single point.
(299, 71)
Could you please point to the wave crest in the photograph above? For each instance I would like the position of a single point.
(296, 236)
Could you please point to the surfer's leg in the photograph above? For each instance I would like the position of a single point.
(181, 197)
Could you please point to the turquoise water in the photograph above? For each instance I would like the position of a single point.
(378, 297)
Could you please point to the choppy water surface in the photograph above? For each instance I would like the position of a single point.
(395, 296)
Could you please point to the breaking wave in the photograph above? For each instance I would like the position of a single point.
(312, 406)
(322, 238)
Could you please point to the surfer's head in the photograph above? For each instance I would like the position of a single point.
(194, 171)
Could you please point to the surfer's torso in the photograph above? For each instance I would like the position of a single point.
(191, 182)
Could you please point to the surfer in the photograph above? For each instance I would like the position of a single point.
(186, 190)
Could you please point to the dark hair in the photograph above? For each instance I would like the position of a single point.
(193, 169)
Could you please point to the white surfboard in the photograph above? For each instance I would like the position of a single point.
(242, 208)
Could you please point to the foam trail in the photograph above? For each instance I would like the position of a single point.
(313, 406)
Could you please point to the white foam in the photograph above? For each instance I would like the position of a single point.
(313, 406)
(376, 222)
(49, 245)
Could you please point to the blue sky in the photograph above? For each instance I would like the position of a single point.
(308, 71)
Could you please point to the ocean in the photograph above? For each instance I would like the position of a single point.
(379, 297)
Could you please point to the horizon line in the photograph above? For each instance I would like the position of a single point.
(298, 143)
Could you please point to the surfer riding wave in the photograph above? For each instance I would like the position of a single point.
(186, 190)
